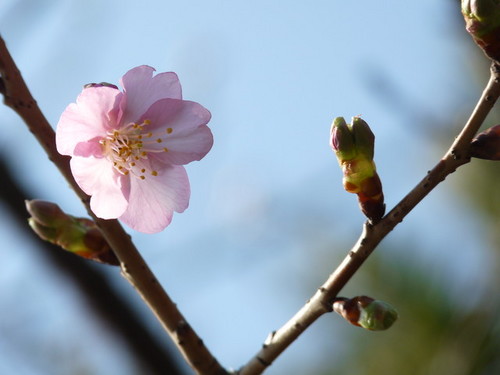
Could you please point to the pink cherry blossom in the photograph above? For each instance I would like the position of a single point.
(128, 148)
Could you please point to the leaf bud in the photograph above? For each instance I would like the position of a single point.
(77, 235)
(366, 312)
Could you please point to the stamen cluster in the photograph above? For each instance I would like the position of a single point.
(130, 145)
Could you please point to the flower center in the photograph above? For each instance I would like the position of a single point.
(128, 148)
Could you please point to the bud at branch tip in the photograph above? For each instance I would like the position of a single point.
(354, 146)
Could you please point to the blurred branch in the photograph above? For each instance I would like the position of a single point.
(372, 235)
(18, 97)
(92, 283)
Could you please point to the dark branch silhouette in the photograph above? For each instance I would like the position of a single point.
(90, 280)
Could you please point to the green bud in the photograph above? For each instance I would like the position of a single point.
(365, 312)
(377, 316)
(354, 148)
(487, 144)
(46, 213)
(482, 21)
(363, 138)
(77, 235)
(351, 141)
(45, 233)
(485, 11)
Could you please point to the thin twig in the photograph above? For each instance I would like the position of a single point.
(18, 97)
(371, 235)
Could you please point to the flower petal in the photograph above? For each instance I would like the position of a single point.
(94, 113)
(152, 201)
(90, 148)
(183, 127)
(141, 90)
(108, 189)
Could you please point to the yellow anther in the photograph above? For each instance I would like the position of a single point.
(125, 147)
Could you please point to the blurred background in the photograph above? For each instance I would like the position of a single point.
(268, 219)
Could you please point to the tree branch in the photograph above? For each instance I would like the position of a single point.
(372, 235)
(18, 97)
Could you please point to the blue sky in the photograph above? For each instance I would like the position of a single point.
(273, 75)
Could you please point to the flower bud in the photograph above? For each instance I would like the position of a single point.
(102, 84)
(486, 145)
(366, 312)
(378, 316)
(77, 235)
(45, 213)
(363, 137)
(354, 147)
(342, 140)
(45, 233)
(482, 21)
